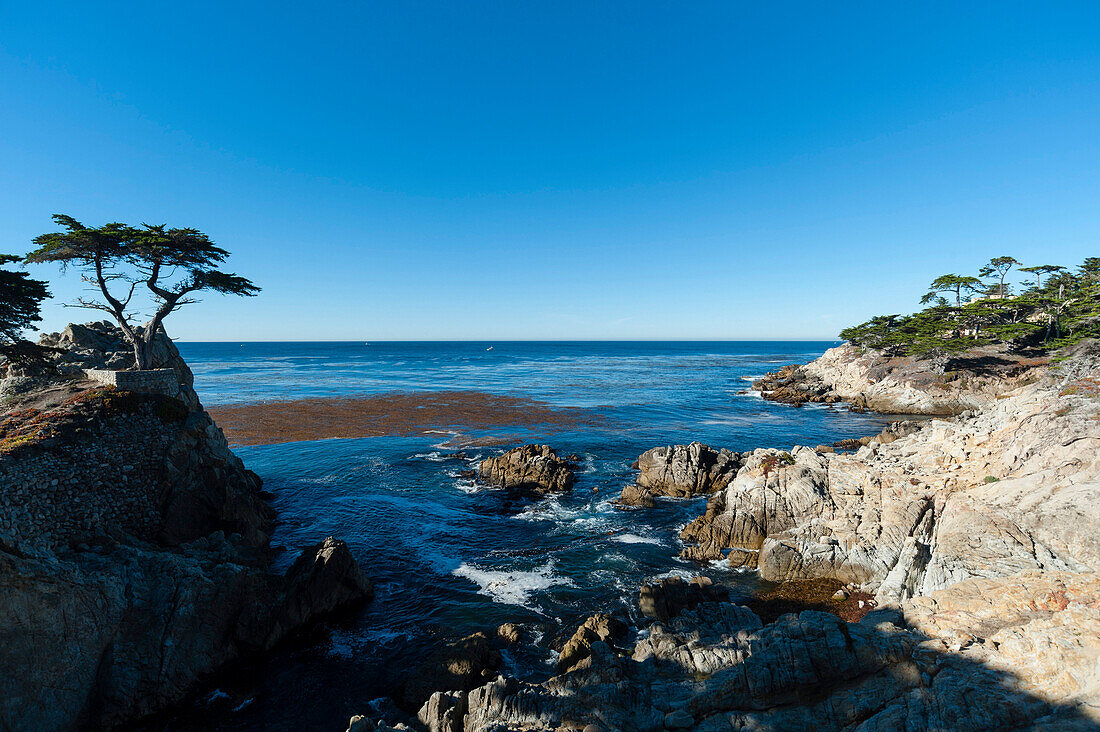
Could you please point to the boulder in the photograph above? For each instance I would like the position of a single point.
(509, 633)
(685, 471)
(460, 666)
(530, 469)
(669, 597)
(600, 628)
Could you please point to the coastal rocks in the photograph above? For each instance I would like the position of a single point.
(1040, 628)
(461, 666)
(600, 628)
(957, 559)
(98, 345)
(872, 381)
(671, 596)
(134, 559)
(1006, 490)
(509, 633)
(324, 579)
(793, 385)
(716, 668)
(680, 471)
(97, 639)
(534, 470)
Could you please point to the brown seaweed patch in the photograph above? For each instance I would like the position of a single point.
(794, 596)
(398, 413)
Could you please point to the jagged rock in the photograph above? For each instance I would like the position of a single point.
(636, 496)
(600, 628)
(794, 385)
(462, 665)
(443, 712)
(680, 471)
(670, 596)
(509, 633)
(716, 667)
(139, 565)
(98, 345)
(325, 578)
(529, 469)
(1009, 489)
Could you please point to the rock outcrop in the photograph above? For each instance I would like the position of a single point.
(459, 667)
(600, 628)
(716, 667)
(680, 471)
(134, 555)
(1011, 489)
(869, 380)
(977, 535)
(89, 346)
(669, 597)
(534, 470)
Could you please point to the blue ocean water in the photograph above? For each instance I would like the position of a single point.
(449, 558)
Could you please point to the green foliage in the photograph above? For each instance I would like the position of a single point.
(991, 479)
(20, 298)
(116, 259)
(1057, 309)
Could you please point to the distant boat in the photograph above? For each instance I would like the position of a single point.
(489, 348)
(366, 344)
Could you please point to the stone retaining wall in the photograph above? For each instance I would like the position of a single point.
(150, 381)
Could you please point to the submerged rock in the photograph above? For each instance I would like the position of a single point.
(529, 469)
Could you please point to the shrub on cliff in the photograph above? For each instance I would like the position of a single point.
(20, 299)
(172, 264)
(1058, 308)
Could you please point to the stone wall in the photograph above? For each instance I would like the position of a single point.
(149, 381)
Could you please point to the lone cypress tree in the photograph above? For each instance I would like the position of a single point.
(173, 264)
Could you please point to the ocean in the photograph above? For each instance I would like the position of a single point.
(449, 557)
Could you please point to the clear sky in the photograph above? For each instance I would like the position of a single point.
(404, 170)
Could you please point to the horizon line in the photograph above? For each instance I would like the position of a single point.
(525, 340)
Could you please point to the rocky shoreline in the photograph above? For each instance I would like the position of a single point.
(941, 576)
(134, 547)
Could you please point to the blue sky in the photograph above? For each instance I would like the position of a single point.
(562, 169)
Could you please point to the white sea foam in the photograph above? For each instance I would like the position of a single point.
(635, 539)
(350, 644)
(512, 587)
(684, 574)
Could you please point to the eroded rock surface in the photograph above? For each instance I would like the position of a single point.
(869, 380)
(134, 555)
(1007, 490)
(530, 469)
(600, 628)
(978, 536)
(680, 471)
(716, 667)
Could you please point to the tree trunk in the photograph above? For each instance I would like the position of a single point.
(141, 361)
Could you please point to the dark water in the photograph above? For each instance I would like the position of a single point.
(448, 559)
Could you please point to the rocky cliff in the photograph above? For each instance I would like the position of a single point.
(134, 554)
(873, 381)
(972, 540)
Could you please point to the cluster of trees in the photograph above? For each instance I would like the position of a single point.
(1052, 306)
(169, 266)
